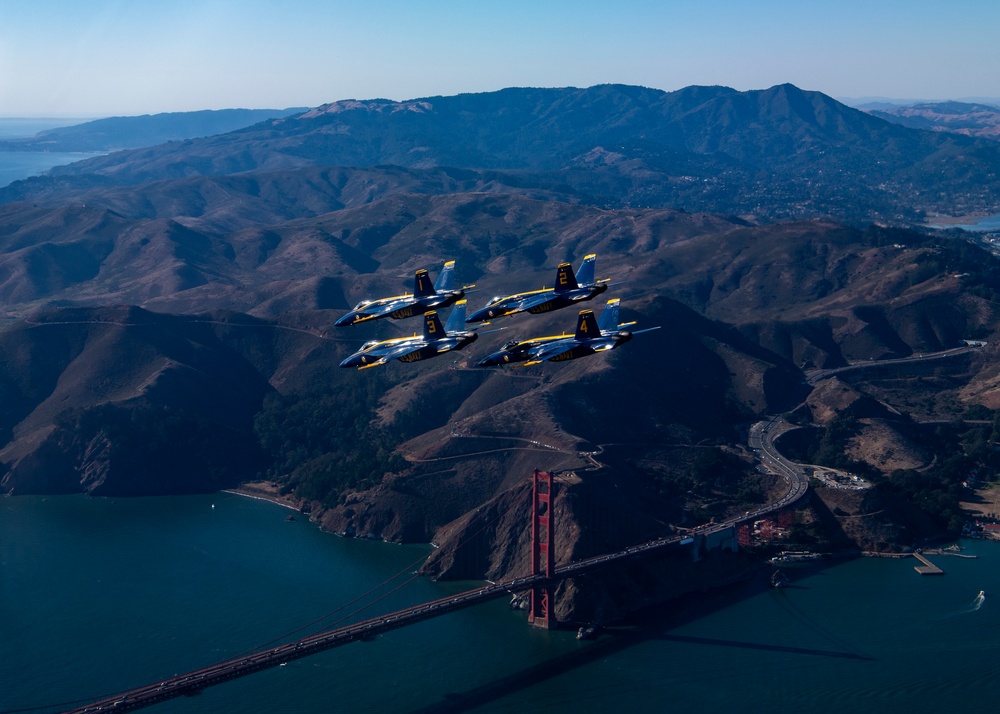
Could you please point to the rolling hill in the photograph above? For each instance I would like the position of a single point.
(185, 294)
(958, 117)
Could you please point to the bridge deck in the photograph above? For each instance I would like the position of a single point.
(243, 665)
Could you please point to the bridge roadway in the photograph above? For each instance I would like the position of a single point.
(192, 682)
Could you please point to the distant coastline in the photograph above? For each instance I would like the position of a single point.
(30, 127)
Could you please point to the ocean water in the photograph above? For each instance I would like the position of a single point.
(99, 595)
(18, 165)
(28, 127)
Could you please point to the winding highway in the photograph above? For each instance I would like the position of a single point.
(817, 375)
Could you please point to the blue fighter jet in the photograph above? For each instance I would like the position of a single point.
(592, 336)
(570, 288)
(424, 297)
(435, 341)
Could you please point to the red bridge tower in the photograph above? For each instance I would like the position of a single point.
(543, 554)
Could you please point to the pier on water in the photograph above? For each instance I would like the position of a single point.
(928, 568)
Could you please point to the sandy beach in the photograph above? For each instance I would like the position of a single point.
(267, 491)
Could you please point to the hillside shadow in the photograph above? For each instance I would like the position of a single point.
(829, 524)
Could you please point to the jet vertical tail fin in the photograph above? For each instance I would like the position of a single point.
(422, 284)
(432, 326)
(586, 326)
(585, 275)
(446, 280)
(565, 279)
(608, 321)
(456, 320)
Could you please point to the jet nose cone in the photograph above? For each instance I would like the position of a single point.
(352, 361)
(494, 360)
(347, 319)
(486, 313)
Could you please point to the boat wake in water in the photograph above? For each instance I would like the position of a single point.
(977, 602)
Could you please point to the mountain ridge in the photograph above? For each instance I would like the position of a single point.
(779, 152)
(121, 132)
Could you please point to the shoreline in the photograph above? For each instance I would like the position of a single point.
(262, 491)
(942, 219)
(970, 222)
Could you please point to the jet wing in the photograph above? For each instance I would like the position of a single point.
(370, 312)
(382, 310)
(553, 349)
(392, 353)
(561, 350)
(402, 351)
(534, 301)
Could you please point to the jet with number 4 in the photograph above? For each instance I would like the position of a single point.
(570, 288)
(424, 297)
(592, 336)
(435, 341)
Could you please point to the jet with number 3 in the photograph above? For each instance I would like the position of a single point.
(592, 336)
(570, 288)
(435, 341)
(424, 297)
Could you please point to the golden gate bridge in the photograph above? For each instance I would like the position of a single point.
(540, 583)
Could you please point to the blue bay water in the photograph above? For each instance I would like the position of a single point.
(98, 595)
(989, 223)
(985, 223)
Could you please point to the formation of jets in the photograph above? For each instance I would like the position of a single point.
(592, 335)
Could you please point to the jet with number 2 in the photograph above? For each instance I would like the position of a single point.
(592, 336)
(425, 297)
(570, 288)
(435, 341)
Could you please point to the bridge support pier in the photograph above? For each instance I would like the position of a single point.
(543, 559)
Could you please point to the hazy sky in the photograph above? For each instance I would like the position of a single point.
(89, 58)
